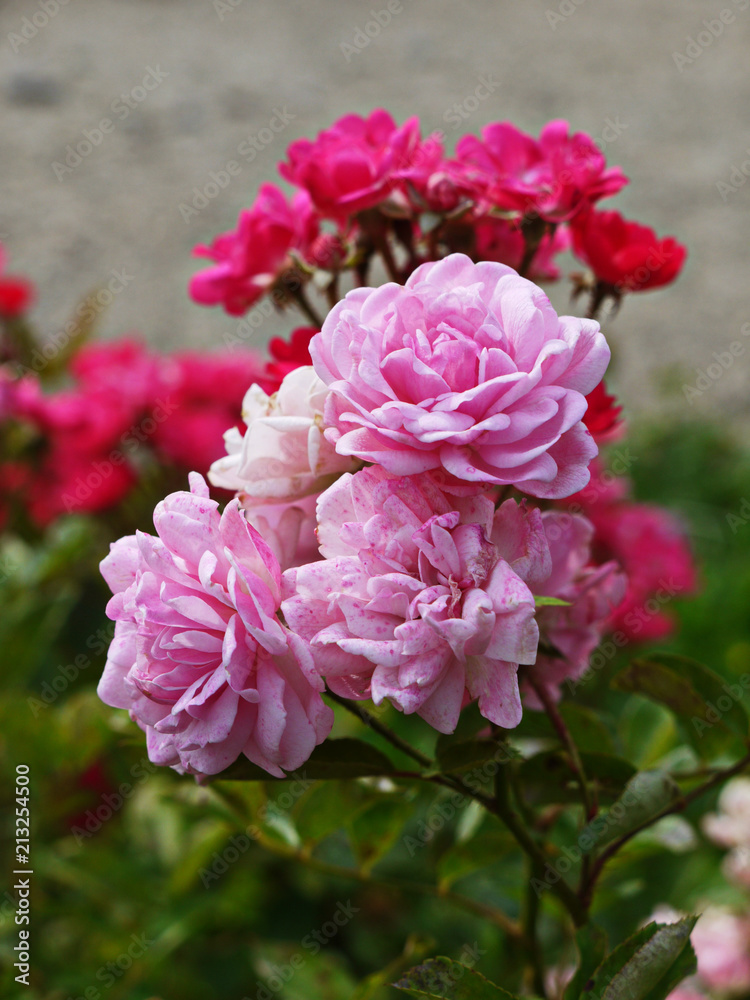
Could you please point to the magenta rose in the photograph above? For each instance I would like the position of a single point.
(465, 369)
(357, 162)
(200, 658)
(249, 259)
(420, 597)
(552, 177)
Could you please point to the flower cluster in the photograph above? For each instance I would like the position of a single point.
(399, 529)
(367, 186)
(85, 446)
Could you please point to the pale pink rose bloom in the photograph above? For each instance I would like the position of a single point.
(200, 658)
(721, 941)
(466, 369)
(288, 529)
(283, 455)
(420, 598)
(730, 827)
(591, 592)
(722, 945)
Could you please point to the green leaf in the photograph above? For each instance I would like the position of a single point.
(458, 758)
(591, 942)
(645, 965)
(686, 965)
(587, 730)
(463, 859)
(547, 778)
(645, 795)
(374, 831)
(415, 948)
(550, 602)
(442, 977)
(585, 727)
(616, 960)
(701, 698)
(327, 807)
(344, 758)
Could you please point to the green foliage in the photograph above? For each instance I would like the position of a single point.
(646, 965)
(442, 977)
(236, 879)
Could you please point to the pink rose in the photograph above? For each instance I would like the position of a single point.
(591, 592)
(356, 163)
(466, 369)
(722, 946)
(418, 598)
(250, 259)
(283, 454)
(200, 658)
(552, 177)
(730, 827)
(288, 529)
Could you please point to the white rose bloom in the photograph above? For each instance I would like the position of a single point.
(283, 455)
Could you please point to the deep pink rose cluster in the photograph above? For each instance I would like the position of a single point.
(387, 190)
(126, 407)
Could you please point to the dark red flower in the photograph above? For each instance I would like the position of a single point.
(16, 294)
(624, 254)
(603, 415)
